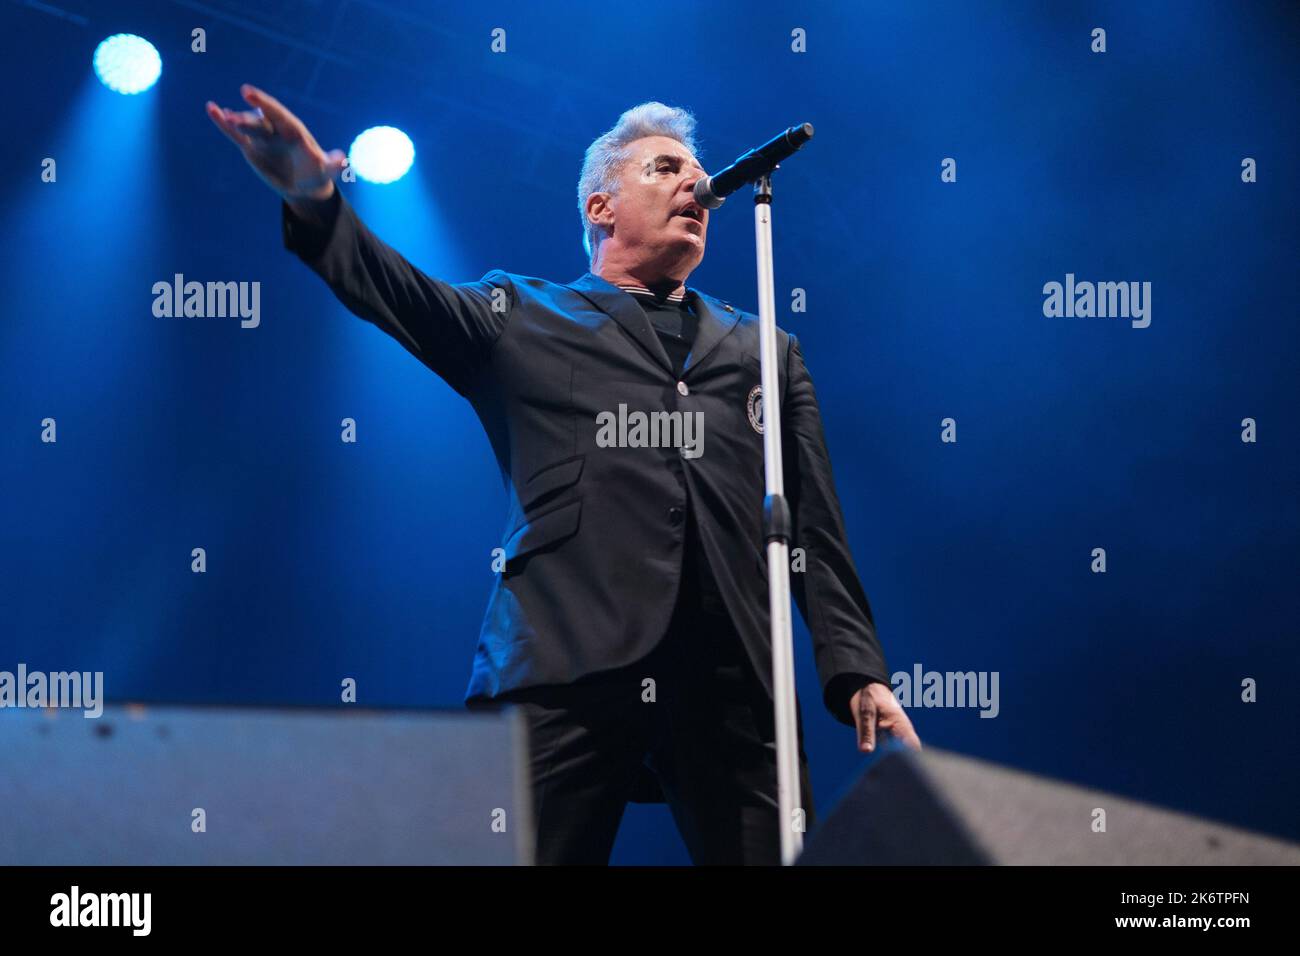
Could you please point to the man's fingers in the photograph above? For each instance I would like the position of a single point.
(900, 727)
(217, 115)
(281, 119)
(254, 124)
(336, 160)
(866, 722)
(259, 98)
(248, 123)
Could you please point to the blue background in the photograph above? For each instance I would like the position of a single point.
(924, 298)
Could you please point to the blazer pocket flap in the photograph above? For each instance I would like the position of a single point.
(542, 530)
(549, 480)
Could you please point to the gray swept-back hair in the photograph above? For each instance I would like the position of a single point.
(605, 156)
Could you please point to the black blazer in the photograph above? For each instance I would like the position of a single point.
(593, 536)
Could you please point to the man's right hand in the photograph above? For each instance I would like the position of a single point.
(280, 148)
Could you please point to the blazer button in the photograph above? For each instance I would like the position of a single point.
(682, 389)
(676, 515)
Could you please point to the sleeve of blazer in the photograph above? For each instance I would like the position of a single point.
(828, 591)
(449, 327)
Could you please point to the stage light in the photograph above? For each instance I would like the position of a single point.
(381, 154)
(127, 64)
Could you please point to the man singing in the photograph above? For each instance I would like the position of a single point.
(629, 620)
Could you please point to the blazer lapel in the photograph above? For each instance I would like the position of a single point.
(716, 322)
(624, 310)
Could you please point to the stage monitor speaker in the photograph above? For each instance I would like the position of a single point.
(938, 808)
(278, 787)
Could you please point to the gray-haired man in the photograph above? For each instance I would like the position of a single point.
(630, 620)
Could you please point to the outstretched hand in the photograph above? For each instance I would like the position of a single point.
(279, 147)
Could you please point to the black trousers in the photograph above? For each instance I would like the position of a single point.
(695, 714)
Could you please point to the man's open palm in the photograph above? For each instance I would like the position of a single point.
(279, 147)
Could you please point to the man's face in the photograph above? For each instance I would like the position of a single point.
(656, 218)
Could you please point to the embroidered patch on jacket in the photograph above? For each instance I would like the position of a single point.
(755, 408)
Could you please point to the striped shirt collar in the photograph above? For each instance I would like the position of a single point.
(674, 297)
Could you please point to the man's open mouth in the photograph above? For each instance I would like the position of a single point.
(693, 212)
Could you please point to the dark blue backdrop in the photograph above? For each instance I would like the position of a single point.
(925, 302)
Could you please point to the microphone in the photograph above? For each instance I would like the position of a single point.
(712, 190)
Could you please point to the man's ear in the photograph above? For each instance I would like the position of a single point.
(600, 210)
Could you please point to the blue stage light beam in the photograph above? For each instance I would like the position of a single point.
(127, 64)
(381, 154)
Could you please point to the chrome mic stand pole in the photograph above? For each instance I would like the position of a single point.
(777, 529)
(757, 166)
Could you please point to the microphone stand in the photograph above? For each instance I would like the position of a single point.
(757, 166)
(777, 529)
